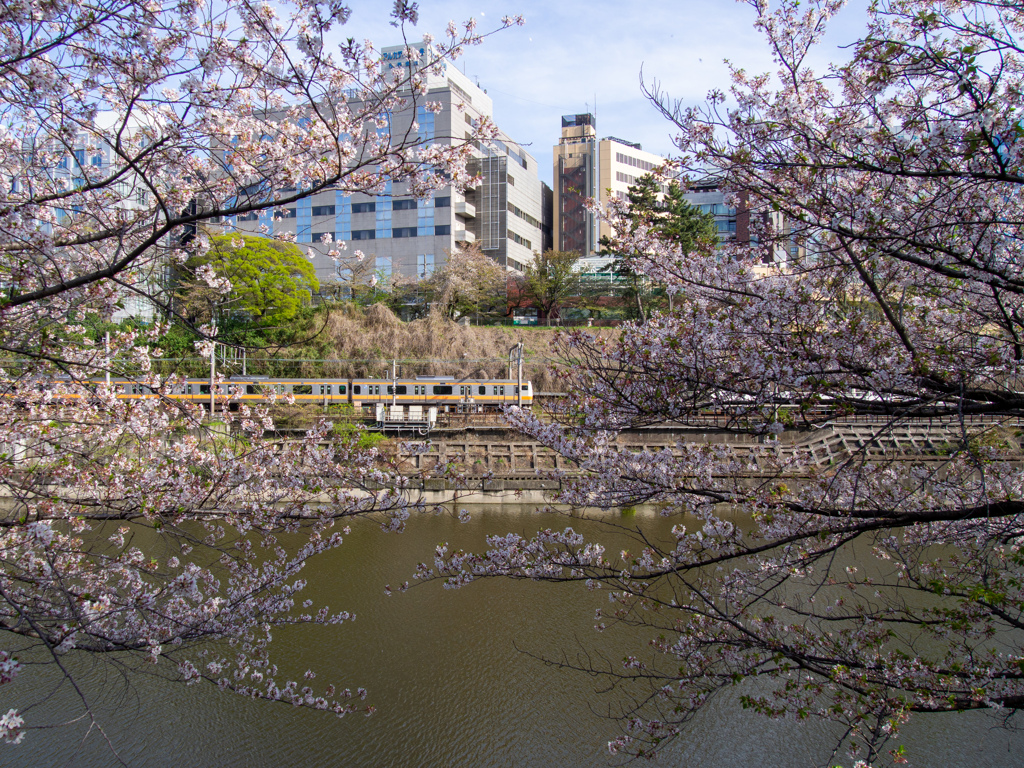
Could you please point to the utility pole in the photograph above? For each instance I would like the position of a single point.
(213, 372)
(519, 377)
(517, 350)
(106, 355)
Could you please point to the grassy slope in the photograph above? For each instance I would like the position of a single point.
(366, 340)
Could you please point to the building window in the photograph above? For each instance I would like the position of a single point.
(523, 215)
(442, 202)
(443, 229)
(521, 240)
(364, 234)
(287, 213)
(251, 216)
(425, 264)
(403, 232)
(511, 181)
(364, 207)
(403, 205)
(323, 210)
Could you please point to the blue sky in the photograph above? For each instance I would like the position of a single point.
(571, 54)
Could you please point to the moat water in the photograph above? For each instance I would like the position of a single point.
(458, 678)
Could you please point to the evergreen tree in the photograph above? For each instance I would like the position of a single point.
(671, 219)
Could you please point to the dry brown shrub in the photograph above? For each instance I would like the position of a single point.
(363, 342)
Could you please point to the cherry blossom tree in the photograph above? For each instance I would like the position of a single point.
(470, 282)
(882, 581)
(145, 528)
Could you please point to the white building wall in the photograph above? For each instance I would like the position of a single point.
(407, 238)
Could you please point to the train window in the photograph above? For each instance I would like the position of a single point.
(483, 390)
(324, 389)
(302, 389)
(188, 389)
(442, 389)
(250, 389)
(376, 389)
(401, 389)
(501, 390)
(356, 389)
(341, 389)
(204, 389)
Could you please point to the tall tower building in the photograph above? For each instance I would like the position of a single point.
(575, 176)
(588, 168)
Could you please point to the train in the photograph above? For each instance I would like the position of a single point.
(444, 392)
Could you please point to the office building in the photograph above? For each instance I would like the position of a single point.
(91, 156)
(734, 222)
(586, 168)
(409, 238)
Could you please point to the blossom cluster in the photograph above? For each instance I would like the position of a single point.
(133, 525)
(881, 290)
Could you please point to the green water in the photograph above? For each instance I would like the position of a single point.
(454, 675)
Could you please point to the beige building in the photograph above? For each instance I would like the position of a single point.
(586, 167)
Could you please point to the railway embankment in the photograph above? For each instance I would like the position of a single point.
(494, 463)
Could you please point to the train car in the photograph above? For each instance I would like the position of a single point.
(317, 391)
(443, 391)
(256, 389)
(446, 392)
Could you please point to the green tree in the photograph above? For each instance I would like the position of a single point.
(673, 222)
(550, 280)
(270, 280)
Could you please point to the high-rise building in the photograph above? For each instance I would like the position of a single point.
(91, 155)
(588, 168)
(733, 222)
(406, 237)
